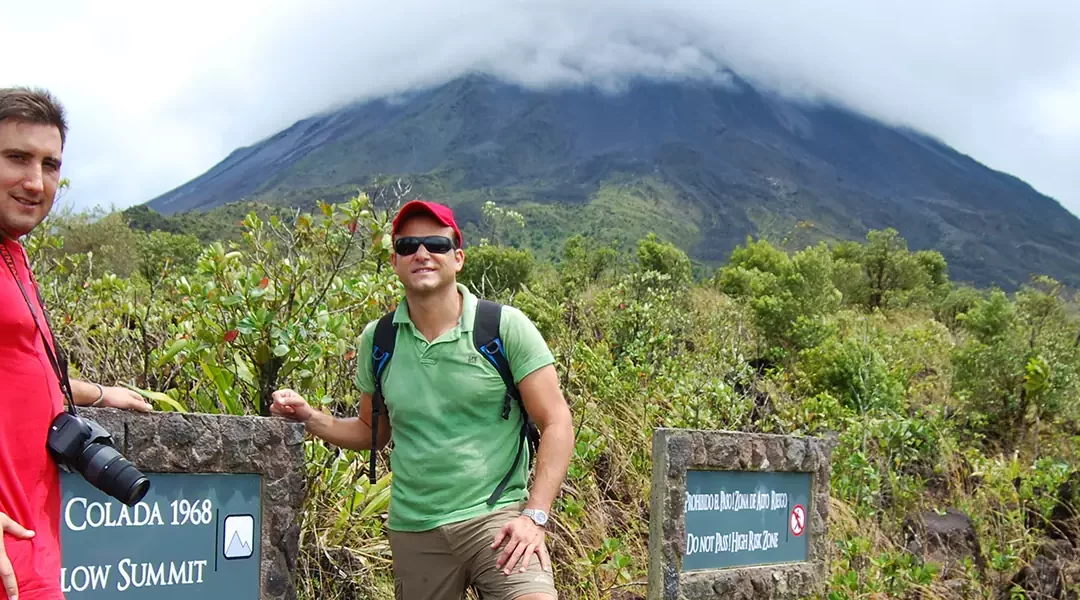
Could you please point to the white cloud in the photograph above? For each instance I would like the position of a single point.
(159, 93)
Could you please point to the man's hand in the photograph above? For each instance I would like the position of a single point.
(523, 537)
(7, 574)
(85, 393)
(291, 405)
(118, 397)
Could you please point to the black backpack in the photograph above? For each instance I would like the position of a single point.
(486, 340)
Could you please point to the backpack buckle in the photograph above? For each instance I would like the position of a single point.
(493, 347)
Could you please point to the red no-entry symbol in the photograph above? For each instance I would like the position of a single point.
(798, 520)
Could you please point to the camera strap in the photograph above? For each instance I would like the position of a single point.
(59, 365)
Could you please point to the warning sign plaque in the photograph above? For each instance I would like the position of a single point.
(740, 518)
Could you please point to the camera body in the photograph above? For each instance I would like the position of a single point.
(83, 446)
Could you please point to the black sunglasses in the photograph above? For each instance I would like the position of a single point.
(436, 244)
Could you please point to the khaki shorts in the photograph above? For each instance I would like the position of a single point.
(442, 563)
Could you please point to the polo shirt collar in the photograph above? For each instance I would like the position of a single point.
(468, 310)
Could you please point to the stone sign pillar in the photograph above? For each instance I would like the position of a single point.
(737, 516)
(220, 520)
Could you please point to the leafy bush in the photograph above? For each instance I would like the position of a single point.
(1020, 366)
(854, 370)
(495, 271)
(790, 296)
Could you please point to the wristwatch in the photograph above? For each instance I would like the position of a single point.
(538, 516)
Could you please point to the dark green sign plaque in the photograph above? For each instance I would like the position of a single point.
(738, 515)
(192, 536)
(740, 518)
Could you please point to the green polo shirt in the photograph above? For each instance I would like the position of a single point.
(444, 399)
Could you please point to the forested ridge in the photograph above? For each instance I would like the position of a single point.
(944, 399)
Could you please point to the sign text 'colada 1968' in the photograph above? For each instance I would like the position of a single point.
(193, 535)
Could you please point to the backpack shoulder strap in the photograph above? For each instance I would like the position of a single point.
(488, 342)
(382, 348)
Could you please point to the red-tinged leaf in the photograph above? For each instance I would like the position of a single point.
(231, 335)
(352, 226)
(265, 281)
(350, 355)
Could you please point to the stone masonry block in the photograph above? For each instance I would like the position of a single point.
(170, 442)
(677, 450)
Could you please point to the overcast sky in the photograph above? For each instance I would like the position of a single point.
(157, 93)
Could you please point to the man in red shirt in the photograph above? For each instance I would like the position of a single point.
(32, 136)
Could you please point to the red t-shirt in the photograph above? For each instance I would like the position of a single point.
(29, 399)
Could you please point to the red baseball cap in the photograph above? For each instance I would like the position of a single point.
(440, 212)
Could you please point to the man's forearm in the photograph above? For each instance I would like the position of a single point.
(552, 461)
(351, 433)
(84, 393)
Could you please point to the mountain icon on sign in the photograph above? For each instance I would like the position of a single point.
(239, 536)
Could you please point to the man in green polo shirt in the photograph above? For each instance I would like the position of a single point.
(452, 446)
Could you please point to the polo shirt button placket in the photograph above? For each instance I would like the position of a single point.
(425, 359)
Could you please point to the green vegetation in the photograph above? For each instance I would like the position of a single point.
(621, 211)
(617, 211)
(938, 395)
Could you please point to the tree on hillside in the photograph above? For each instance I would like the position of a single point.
(584, 262)
(789, 295)
(501, 224)
(664, 258)
(1019, 367)
(889, 274)
(494, 271)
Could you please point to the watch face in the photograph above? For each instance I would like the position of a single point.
(540, 517)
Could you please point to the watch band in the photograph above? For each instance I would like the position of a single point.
(538, 516)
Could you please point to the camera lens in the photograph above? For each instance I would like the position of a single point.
(113, 474)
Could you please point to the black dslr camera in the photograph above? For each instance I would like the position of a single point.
(81, 445)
